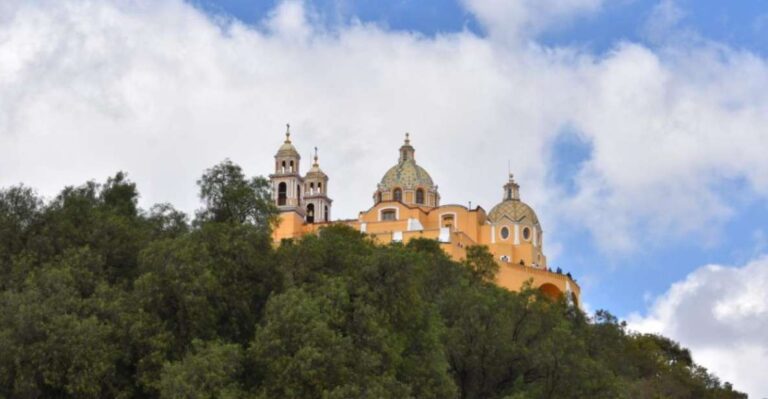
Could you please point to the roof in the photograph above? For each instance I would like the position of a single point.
(515, 210)
(406, 175)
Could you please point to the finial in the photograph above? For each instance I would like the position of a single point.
(407, 138)
(287, 132)
(315, 155)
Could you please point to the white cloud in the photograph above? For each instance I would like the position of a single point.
(163, 91)
(664, 19)
(721, 314)
(517, 20)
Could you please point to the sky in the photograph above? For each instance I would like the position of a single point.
(638, 129)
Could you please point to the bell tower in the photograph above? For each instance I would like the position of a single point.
(287, 183)
(317, 205)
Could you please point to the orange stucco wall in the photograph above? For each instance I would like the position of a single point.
(523, 259)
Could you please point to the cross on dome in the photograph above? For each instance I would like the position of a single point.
(288, 133)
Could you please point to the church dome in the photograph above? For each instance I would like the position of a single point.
(512, 207)
(315, 172)
(515, 210)
(287, 149)
(406, 174)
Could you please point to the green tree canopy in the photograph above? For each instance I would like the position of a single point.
(100, 298)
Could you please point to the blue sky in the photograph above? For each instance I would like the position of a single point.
(742, 24)
(623, 284)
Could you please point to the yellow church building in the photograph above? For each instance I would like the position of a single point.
(406, 205)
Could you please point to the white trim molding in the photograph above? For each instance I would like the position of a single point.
(396, 209)
(445, 235)
(455, 218)
(517, 234)
(397, 236)
(414, 224)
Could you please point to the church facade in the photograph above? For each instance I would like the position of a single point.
(406, 205)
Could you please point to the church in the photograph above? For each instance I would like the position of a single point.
(406, 205)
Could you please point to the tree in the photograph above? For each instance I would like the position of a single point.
(99, 298)
(480, 261)
(230, 197)
(209, 370)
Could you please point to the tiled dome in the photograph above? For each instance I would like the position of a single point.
(512, 207)
(515, 210)
(406, 174)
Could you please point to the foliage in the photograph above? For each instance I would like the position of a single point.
(99, 298)
(230, 197)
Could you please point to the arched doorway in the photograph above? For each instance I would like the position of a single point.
(551, 291)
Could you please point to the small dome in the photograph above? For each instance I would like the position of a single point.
(515, 210)
(512, 207)
(315, 172)
(406, 174)
(287, 149)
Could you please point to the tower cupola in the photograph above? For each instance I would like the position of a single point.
(287, 183)
(407, 150)
(317, 204)
(511, 189)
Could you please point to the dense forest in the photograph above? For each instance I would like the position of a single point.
(102, 299)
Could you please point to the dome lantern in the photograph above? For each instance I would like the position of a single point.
(511, 189)
(512, 207)
(407, 150)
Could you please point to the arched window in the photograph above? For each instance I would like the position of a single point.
(283, 169)
(447, 221)
(291, 169)
(282, 189)
(319, 187)
(398, 195)
(312, 188)
(420, 196)
(311, 213)
(389, 214)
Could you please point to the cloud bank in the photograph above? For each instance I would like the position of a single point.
(721, 313)
(163, 91)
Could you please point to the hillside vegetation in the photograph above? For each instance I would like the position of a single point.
(101, 299)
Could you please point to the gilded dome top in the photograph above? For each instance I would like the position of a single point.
(287, 149)
(406, 174)
(512, 207)
(315, 171)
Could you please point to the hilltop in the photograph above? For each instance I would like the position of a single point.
(99, 298)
